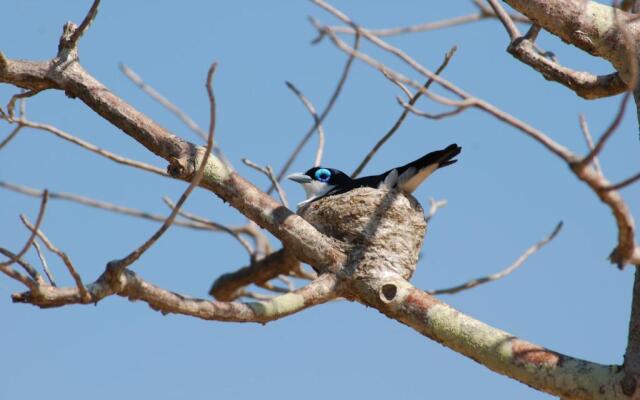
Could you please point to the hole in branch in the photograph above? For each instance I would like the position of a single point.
(388, 292)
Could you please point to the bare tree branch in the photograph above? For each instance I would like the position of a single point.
(530, 131)
(12, 102)
(133, 287)
(43, 261)
(117, 266)
(92, 148)
(506, 20)
(584, 84)
(413, 99)
(163, 101)
(63, 256)
(32, 236)
(175, 110)
(463, 106)
(230, 285)
(610, 130)
(13, 274)
(268, 171)
(632, 179)
(595, 29)
(84, 25)
(624, 253)
(213, 225)
(323, 115)
(499, 275)
(14, 132)
(584, 127)
(103, 205)
(483, 13)
(312, 110)
(531, 364)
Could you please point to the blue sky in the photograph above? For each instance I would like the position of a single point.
(506, 193)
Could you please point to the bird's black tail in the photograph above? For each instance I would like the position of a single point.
(446, 155)
(442, 157)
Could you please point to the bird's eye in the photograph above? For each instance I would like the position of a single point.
(323, 175)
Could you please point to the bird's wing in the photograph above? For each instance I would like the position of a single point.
(390, 181)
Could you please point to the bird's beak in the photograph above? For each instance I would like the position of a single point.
(300, 178)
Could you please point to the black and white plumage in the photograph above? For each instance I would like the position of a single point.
(319, 182)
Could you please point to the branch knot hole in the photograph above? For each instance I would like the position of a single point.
(388, 292)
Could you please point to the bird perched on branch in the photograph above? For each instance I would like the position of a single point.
(319, 182)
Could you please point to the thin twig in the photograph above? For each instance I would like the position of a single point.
(11, 135)
(584, 127)
(465, 104)
(484, 13)
(624, 183)
(117, 266)
(268, 171)
(300, 272)
(28, 268)
(212, 224)
(323, 115)
(32, 237)
(175, 110)
(63, 256)
(43, 261)
(312, 110)
(287, 281)
(84, 25)
(12, 273)
(499, 275)
(163, 101)
(530, 131)
(93, 148)
(399, 84)
(103, 205)
(270, 286)
(505, 18)
(610, 130)
(12, 102)
(403, 115)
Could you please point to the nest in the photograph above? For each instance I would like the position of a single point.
(381, 231)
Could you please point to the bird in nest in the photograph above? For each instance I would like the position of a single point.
(319, 182)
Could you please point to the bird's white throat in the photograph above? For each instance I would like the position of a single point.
(315, 190)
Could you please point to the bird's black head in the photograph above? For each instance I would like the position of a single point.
(329, 176)
(319, 181)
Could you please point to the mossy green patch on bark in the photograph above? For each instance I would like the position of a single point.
(215, 171)
(281, 305)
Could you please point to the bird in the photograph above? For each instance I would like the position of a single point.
(319, 182)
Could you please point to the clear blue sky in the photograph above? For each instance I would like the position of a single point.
(506, 193)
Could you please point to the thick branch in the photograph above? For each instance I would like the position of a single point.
(584, 84)
(588, 25)
(130, 285)
(300, 237)
(498, 350)
(229, 286)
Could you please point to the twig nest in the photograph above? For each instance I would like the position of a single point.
(381, 231)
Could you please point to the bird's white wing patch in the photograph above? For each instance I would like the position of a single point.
(389, 181)
(409, 181)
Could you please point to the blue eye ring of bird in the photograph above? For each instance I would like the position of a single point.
(323, 175)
